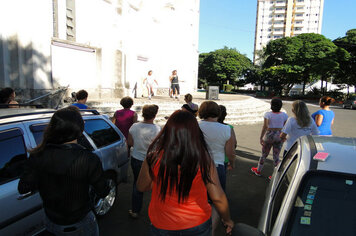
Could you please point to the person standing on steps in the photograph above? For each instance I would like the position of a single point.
(175, 84)
(149, 80)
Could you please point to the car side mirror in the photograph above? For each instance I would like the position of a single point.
(242, 229)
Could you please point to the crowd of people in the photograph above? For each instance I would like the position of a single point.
(278, 128)
(183, 164)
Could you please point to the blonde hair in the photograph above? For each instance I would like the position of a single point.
(301, 113)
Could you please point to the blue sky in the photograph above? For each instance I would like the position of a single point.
(232, 23)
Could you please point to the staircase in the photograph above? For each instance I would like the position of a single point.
(241, 109)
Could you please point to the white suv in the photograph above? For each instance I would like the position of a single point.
(21, 130)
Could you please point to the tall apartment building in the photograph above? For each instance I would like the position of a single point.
(286, 18)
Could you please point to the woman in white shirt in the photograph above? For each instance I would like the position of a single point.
(218, 137)
(300, 125)
(220, 141)
(149, 80)
(140, 137)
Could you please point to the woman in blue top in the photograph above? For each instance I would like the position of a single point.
(324, 118)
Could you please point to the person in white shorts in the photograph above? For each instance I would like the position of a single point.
(149, 80)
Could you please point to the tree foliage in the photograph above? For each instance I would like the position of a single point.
(346, 57)
(299, 59)
(317, 57)
(220, 66)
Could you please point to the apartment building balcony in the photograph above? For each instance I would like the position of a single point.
(299, 11)
(299, 4)
(277, 23)
(299, 17)
(279, 11)
(281, 4)
(281, 32)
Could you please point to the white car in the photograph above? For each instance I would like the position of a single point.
(312, 192)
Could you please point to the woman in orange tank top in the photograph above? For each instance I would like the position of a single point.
(180, 172)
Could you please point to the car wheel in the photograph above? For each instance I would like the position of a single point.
(343, 106)
(103, 205)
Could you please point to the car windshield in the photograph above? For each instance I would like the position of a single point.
(325, 205)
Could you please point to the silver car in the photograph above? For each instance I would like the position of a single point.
(21, 130)
(350, 103)
(312, 192)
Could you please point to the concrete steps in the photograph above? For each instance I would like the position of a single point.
(241, 111)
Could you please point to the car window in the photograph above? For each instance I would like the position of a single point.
(326, 205)
(13, 154)
(37, 132)
(287, 159)
(283, 185)
(101, 132)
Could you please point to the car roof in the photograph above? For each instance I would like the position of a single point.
(342, 153)
(21, 111)
(8, 115)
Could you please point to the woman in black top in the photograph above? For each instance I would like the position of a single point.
(175, 84)
(62, 171)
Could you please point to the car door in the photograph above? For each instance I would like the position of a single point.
(278, 192)
(109, 145)
(19, 214)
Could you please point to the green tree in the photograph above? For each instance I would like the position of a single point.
(299, 59)
(347, 60)
(280, 66)
(316, 57)
(222, 66)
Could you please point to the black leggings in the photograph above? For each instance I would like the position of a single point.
(174, 87)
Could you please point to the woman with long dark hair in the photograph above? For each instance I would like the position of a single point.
(180, 172)
(62, 171)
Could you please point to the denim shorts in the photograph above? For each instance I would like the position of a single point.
(200, 230)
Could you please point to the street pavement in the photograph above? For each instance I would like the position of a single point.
(245, 191)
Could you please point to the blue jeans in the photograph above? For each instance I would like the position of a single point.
(200, 230)
(222, 175)
(87, 226)
(137, 196)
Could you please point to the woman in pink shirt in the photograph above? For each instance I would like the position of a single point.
(125, 118)
(270, 135)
